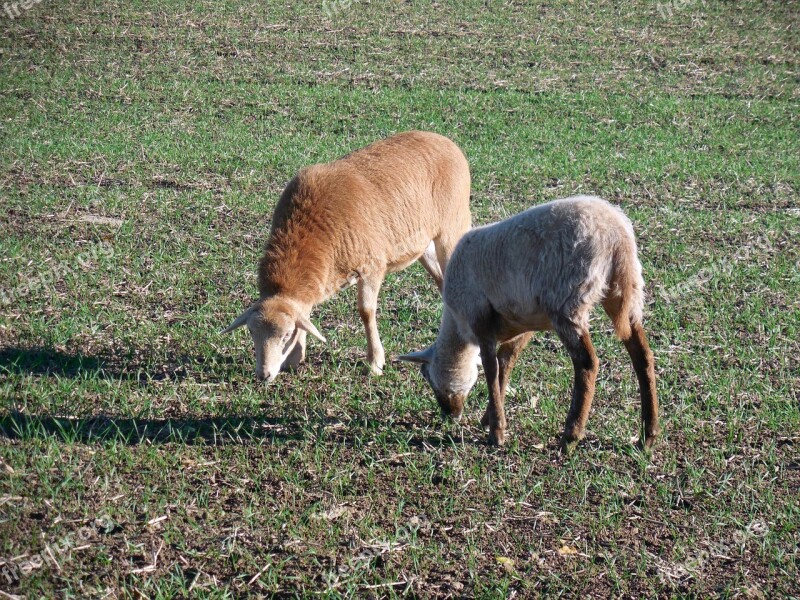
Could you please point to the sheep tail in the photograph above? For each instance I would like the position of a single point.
(628, 292)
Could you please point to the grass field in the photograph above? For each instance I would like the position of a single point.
(143, 148)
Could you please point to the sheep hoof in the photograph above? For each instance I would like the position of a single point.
(373, 369)
(568, 446)
(497, 437)
(647, 444)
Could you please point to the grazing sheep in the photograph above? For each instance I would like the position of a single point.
(545, 268)
(350, 221)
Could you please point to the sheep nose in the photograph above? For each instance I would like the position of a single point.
(265, 375)
(454, 415)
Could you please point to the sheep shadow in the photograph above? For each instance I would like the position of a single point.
(221, 430)
(45, 361)
(133, 431)
(48, 362)
(213, 431)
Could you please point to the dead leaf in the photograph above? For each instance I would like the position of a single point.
(507, 563)
(332, 514)
(98, 220)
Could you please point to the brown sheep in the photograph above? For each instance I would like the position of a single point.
(353, 220)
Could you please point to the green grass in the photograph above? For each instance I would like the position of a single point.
(127, 418)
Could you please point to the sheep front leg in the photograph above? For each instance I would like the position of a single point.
(507, 355)
(368, 288)
(495, 417)
(585, 363)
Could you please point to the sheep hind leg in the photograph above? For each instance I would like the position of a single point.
(644, 367)
(584, 360)
(431, 264)
(444, 246)
(368, 288)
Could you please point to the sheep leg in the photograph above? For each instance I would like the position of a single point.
(444, 246)
(495, 416)
(368, 288)
(429, 261)
(507, 354)
(644, 366)
(585, 363)
(297, 354)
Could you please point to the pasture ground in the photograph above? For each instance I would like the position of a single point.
(143, 148)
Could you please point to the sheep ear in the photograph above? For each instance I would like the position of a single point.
(423, 356)
(306, 324)
(240, 320)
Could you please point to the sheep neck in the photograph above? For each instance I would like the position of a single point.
(456, 356)
(296, 263)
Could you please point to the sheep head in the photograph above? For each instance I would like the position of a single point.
(274, 325)
(450, 380)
